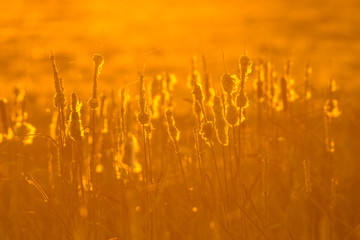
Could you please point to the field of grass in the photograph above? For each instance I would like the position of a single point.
(179, 120)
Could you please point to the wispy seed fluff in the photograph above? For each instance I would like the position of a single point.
(221, 127)
(75, 126)
(59, 98)
(172, 130)
(143, 116)
(98, 63)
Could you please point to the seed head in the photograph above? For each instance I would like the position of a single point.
(232, 115)
(75, 126)
(93, 103)
(228, 83)
(221, 127)
(143, 118)
(198, 92)
(98, 61)
(206, 131)
(242, 100)
(245, 65)
(59, 100)
(174, 133)
(143, 115)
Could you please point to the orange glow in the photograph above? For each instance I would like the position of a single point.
(179, 120)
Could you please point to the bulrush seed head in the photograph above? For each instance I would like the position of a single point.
(228, 83)
(221, 127)
(75, 126)
(174, 133)
(142, 101)
(93, 103)
(98, 62)
(198, 92)
(232, 115)
(242, 100)
(206, 131)
(245, 64)
(59, 98)
(143, 115)
(143, 118)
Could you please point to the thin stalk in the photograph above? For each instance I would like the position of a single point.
(225, 171)
(198, 156)
(219, 181)
(151, 190)
(61, 143)
(32, 181)
(183, 175)
(145, 157)
(235, 149)
(93, 150)
(239, 133)
(147, 201)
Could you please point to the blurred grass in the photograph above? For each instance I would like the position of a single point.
(165, 35)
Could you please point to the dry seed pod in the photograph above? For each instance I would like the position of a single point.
(143, 118)
(143, 115)
(198, 92)
(228, 83)
(242, 100)
(245, 63)
(221, 127)
(232, 115)
(142, 101)
(206, 131)
(59, 98)
(93, 103)
(98, 62)
(172, 130)
(57, 79)
(75, 126)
